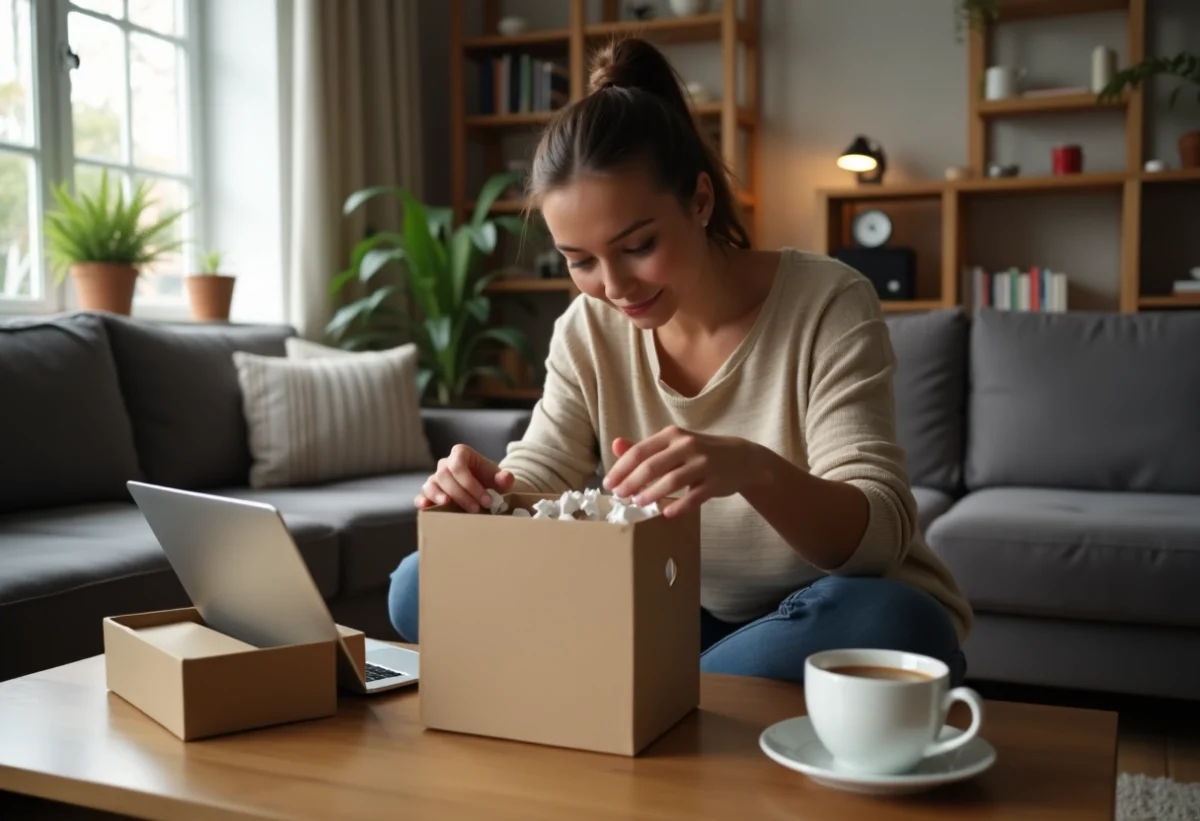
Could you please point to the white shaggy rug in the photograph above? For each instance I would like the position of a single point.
(1141, 798)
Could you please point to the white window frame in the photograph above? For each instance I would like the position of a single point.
(54, 145)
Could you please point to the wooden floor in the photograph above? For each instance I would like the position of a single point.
(1157, 737)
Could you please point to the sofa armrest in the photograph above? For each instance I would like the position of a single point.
(487, 430)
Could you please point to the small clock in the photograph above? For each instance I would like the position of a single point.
(871, 228)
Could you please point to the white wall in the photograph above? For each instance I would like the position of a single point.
(247, 51)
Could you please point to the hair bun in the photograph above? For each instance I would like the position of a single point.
(635, 63)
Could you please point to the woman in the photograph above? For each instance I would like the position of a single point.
(754, 383)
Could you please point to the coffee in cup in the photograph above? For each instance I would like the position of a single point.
(881, 711)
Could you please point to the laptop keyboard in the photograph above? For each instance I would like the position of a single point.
(375, 672)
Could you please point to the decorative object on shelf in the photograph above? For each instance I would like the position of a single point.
(1066, 159)
(512, 25)
(1154, 166)
(1104, 67)
(1002, 82)
(995, 170)
(957, 172)
(210, 293)
(641, 11)
(866, 158)
(103, 242)
(890, 270)
(1186, 67)
(698, 92)
(441, 267)
(688, 8)
(974, 14)
(548, 264)
(519, 169)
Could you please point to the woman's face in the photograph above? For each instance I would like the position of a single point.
(629, 243)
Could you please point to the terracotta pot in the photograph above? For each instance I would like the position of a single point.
(1189, 150)
(210, 296)
(105, 286)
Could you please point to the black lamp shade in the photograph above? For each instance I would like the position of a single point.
(866, 157)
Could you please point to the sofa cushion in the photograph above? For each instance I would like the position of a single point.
(51, 553)
(1085, 401)
(931, 503)
(930, 387)
(375, 519)
(67, 437)
(1076, 554)
(181, 388)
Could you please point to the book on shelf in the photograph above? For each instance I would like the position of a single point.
(1038, 289)
(1186, 286)
(521, 84)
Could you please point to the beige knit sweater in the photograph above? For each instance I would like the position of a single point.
(812, 381)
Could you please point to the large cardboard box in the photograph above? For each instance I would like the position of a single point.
(198, 682)
(570, 633)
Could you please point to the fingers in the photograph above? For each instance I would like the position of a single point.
(651, 473)
(504, 481)
(689, 472)
(636, 454)
(620, 445)
(692, 500)
(443, 488)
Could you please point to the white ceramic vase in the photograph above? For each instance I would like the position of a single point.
(689, 8)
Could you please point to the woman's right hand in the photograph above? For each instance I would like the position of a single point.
(464, 477)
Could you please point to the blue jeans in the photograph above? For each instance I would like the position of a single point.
(832, 612)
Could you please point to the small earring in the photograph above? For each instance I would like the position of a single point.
(704, 224)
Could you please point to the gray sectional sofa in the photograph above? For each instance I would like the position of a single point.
(88, 401)
(1055, 460)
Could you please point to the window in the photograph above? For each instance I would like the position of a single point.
(88, 86)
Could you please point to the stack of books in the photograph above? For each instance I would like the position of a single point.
(520, 84)
(1038, 289)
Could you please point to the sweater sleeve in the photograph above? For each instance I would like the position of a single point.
(850, 427)
(558, 450)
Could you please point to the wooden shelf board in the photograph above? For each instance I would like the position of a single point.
(1058, 104)
(549, 40)
(502, 206)
(530, 286)
(896, 306)
(534, 118)
(1034, 9)
(501, 392)
(921, 189)
(1170, 301)
(1173, 175)
(698, 29)
(745, 118)
(1111, 180)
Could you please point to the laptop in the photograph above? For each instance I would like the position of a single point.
(239, 564)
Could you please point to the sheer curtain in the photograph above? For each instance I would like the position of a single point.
(355, 122)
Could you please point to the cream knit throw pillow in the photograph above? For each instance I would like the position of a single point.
(323, 414)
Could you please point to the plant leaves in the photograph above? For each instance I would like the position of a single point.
(441, 220)
(339, 282)
(355, 200)
(482, 370)
(424, 375)
(491, 191)
(509, 337)
(375, 259)
(342, 320)
(479, 307)
(484, 236)
(511, 224)
(462, 252)
(425, 274)
(438, 329)
(390, 337)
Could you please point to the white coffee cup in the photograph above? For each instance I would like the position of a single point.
(1000, 82)
(881, 725)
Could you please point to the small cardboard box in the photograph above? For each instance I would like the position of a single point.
(198, 682)
(569, 633)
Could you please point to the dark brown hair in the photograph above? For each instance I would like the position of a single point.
(636, 111)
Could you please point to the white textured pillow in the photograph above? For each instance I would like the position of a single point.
(323, 414)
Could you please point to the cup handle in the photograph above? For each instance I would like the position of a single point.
(972, 700)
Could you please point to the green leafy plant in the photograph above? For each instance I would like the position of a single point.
(439, 266)
(1185, 66)
(209, 262)
(974, 14)
(106, 228)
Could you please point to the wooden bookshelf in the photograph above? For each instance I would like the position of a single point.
(735, 37)
(895, 306)
(839, 205)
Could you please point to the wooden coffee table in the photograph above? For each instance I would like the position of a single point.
(64, 737)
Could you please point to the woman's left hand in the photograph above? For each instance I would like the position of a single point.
(676, 460)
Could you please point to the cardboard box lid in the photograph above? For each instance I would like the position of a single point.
(189, 640)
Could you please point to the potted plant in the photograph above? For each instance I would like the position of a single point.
(447, 307)
(101, 241)
(974, 15)
(1186, 67)
(210, 292)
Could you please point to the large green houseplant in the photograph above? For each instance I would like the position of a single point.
(1184, 66)
(439, 267)
(103, 240)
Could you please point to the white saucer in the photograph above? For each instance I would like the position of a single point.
(794, 744)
